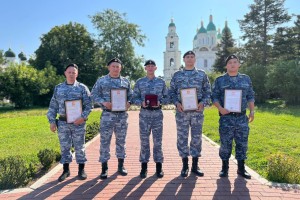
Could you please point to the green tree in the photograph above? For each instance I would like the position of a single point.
(65, 44)
(257, 25)
(284, 46)
(1, 57)
(225, 49)
(116, 38)
(283, 78)
(24, 85)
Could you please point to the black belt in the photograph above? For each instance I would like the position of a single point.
(235, 114)
(62, 118)
(152, 108)
(108, 110)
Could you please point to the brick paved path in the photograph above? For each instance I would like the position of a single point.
(171, 186)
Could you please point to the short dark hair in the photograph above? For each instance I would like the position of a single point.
(71, 65)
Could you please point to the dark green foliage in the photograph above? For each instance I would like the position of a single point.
(283, 79)
(258, 75)
(47, 157)
(26, 86)
(283, 169)
(115, 39)
(13, 172)
(225, 49)
(65, 44)
(257, 26)
(92, 130)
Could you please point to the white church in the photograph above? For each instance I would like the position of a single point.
(10, 58)
(205, 47)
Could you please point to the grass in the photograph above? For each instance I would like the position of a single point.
(26, 132)
(276, 128)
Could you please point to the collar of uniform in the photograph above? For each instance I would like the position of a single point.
(75, 83)
(238, 74)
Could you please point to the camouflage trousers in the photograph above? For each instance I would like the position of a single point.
(69, 134)
(113, 122)
(232, 127)
(151, 121)
(189, 121)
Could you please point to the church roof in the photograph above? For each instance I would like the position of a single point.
(226, 28)
(172, 23)
(9, 54)
(22, 56)
(211, 26)
(202, 29)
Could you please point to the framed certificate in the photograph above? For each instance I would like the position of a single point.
(151, 100)
(73, 110)
(118, 99)
(233, 100)
(189, 99)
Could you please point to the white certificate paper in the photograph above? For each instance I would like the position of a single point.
(73, 110)
(118, 99)
(233, 100)
(189, 99)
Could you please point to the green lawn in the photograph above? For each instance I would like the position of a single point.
(25, 132)
(274, 129)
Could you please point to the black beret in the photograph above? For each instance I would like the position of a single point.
(71, 65)
(232, 56)
(188, 53)
(114, 60)
(150, 62)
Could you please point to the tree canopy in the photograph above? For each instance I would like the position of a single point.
(65, 44)
(116, 38)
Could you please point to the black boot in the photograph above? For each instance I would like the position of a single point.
(144, 170)
(159, 171)
(225, 167)
(104, 172)
(185, 167)
(81, 173)
(195, 168)
(65, 174)
(121, 168)
(241, 170)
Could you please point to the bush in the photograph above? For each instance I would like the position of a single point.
(92, 130)
(13, 172)
(47, 157)
(283, 169)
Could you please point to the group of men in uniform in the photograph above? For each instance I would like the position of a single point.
(150, 93)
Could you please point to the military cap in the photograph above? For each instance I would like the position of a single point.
(71, 65)
(232, 56)
(150, 62)
(188, 53)
(114, 60)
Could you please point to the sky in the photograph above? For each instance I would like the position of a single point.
(23, 22)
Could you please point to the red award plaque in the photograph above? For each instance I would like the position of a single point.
(151, 100)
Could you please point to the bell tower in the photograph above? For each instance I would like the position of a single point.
(172, 55)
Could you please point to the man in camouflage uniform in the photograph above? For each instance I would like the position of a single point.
(151, 117)
(189, 77)
(112, 121)
(70, 132)
(233, 125)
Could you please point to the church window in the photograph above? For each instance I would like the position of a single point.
(205, 63)
(172, 62)
(171, 44)
(212, 40)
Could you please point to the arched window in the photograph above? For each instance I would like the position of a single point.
(172, 62)
(205, 63)
(171, 44)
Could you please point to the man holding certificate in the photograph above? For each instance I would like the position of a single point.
(190, 93)
(71, 101)
(232, 94)
(112, 93)
(150, 93)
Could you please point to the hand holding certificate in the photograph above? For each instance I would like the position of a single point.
(189, 99)
(151, 100)
(233, 100)
(118, 99)
(73, 110)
